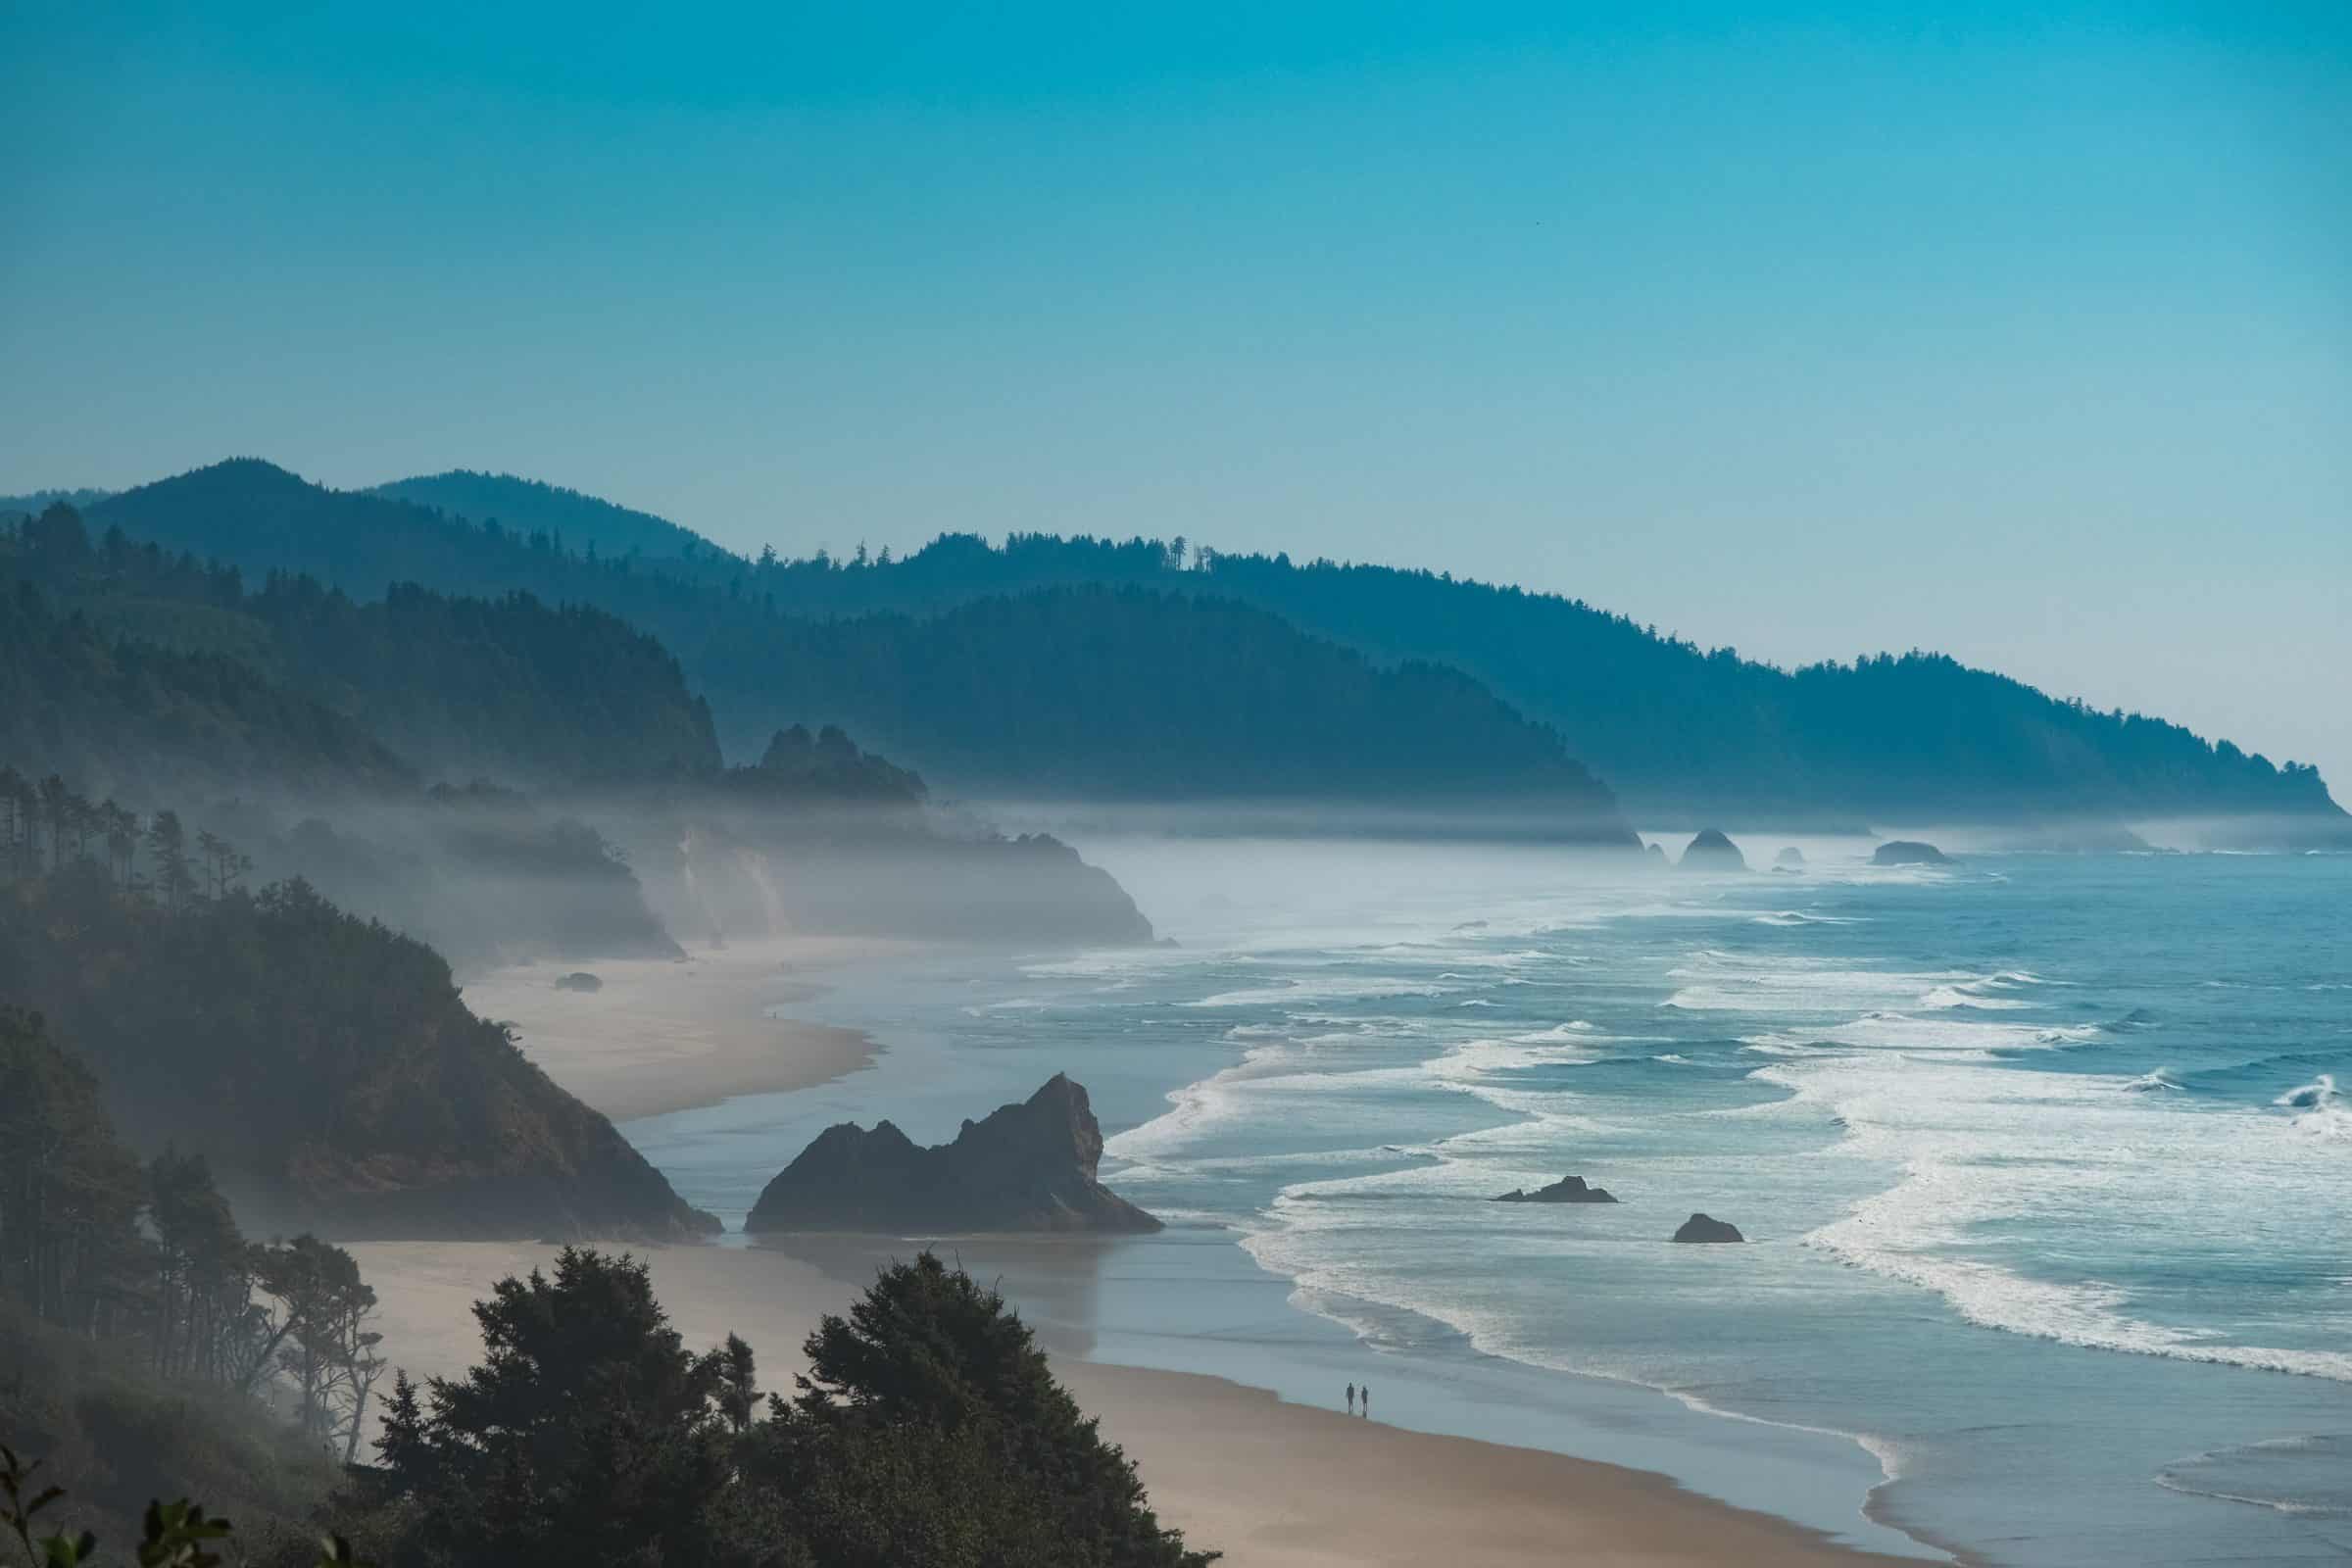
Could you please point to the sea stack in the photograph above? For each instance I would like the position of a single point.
(1567, 1190)
(1025, 1167)
(1790, 859)
(1909, 851)
(1702, 1228)
(1711, 850)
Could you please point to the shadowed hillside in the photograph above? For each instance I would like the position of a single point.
(321, 1063)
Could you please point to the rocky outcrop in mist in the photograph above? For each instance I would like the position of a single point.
(1025, 1167)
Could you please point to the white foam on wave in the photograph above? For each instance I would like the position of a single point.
(1798, 917)
(1977, 1146)
(2312, 1095)
(2152, 1082)
(1942, 997)
(2325, 1115)
(1320, 987)
(1295, 1237)
(1570, 1030)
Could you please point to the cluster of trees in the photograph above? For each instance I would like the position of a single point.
(147, 1257)
(109, 712)
(505, 685)
(44, 826)
(1127, 693)
(929, 1432)
(324, 1065)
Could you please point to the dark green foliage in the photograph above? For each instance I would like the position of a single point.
(1674, 727)
(324, 1065)
(827, 766)
(170, 1534)
(930, 1365)
(505, 685)
(929, 1433)
(1137, 696)
(114, 711)
(1128, 694)
(588, 1433)
(1679, 730)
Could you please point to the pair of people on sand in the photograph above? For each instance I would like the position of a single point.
(1365, 1395)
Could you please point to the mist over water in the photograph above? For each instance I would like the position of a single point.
(2041, 1158)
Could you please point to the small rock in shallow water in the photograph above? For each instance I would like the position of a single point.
(1701, 1228)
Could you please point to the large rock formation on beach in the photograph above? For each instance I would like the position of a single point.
(1702, 1228)
(1909, 851)
(1790, 859)
(1025, 1167)
(1567, 1190)
(1711, 850)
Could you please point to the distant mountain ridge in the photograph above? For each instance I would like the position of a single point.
(1681, 734)
(1035, 698)
(576, 521)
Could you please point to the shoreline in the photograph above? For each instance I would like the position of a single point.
(668, 1035)
(664, 1035)
(1271, 1483)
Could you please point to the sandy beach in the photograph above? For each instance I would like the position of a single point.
(668, 1034)
(1271, 1485)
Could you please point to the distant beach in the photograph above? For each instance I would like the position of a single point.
(663, 1035)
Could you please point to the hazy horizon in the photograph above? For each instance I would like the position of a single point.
(2026, 341)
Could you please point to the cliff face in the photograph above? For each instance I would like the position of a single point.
(323, 1065)
(1025, 1167)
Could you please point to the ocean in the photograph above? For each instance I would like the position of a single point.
(2043, 1169)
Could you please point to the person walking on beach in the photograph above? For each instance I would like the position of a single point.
(1367, 1398)
(1351, 1398)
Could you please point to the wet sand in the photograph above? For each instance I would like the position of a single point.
(663, 1035)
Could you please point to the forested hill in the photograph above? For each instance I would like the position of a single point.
(457, 687)
(116, 714)
(1125, 693)
(1680, 732)
(570, 520)
(324, 1065)
(1141, 697)
(1677, 730)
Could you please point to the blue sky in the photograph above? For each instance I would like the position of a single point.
(2025, 333)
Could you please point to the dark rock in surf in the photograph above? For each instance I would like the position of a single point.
(1712, 852)
(1790, 859)
(1909, 851)
(1025, 1167)
(1701, 1228)
(1657, 853)
(579, 980)
(1567, 1190)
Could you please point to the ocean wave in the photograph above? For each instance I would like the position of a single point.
(2325, 1113)
(2313, 1096)
(1322, 988)
(1796, 917)
(2303, 1477)
(2149, 1082)
(1963, 996)
(1570, 1030)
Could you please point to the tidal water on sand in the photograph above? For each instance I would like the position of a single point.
(2043, 1164)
